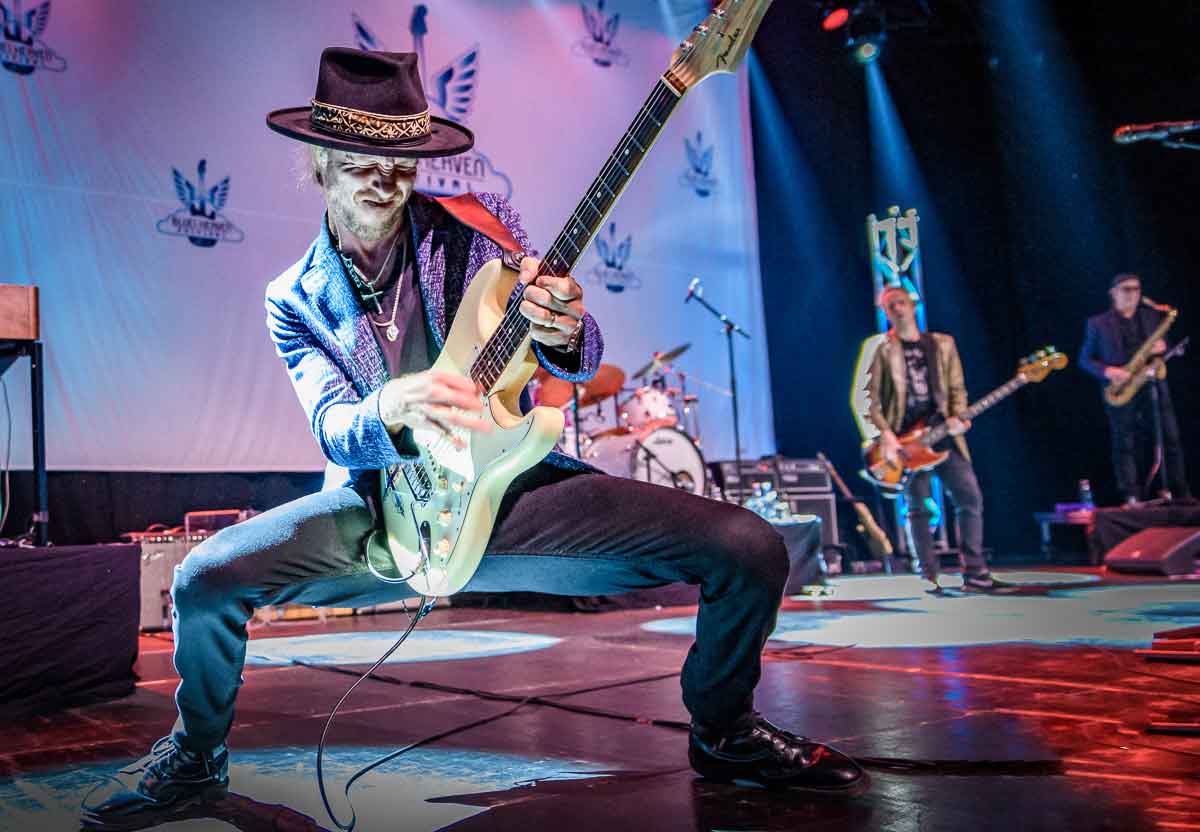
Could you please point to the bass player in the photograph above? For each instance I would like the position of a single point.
(916, 378)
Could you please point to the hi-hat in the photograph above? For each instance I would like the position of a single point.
(661, 358)
(553, 391)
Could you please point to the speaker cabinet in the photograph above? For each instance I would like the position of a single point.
(1165, 550)
(825, 507)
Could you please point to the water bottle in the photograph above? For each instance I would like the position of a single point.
(1085, 493)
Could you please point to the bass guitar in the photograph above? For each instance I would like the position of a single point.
(876, 538)
(917, 445)
(439, 510)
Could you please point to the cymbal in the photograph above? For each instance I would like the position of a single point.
(607, 382)
(661, 358)
(553, 391)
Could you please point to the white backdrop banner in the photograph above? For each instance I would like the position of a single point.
(143, 193)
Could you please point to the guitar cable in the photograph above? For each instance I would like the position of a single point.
(427, 602)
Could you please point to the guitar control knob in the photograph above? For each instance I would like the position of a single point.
(457, 487)
(445, 516)
(443, 547)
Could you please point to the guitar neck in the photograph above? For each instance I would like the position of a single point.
(598, 201)
(584, 222)
(837, 478)
(1002, 392)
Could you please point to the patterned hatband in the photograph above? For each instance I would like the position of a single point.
(370, 126)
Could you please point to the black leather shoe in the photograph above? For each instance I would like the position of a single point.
(757, 753)
(164, 782)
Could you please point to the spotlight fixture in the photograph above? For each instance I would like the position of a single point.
(866, 52)
(865, 24)
(835, 17)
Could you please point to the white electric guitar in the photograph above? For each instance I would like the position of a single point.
(439, 511)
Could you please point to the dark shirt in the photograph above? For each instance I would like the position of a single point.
(409, 351)
(918, 403)
(1132, 336)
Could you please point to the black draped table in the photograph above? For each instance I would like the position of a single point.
(68, 625)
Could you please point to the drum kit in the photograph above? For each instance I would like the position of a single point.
(650, 432)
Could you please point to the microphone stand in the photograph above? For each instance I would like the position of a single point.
(1159, 469)
(730, 328)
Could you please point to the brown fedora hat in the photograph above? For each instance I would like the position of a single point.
(371, 103)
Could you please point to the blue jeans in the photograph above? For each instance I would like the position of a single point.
(561, 532)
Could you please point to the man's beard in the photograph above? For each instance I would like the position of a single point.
(350, 217)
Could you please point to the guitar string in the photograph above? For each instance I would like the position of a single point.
(510, 336)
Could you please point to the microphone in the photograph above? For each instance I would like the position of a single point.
(693, 289)
(1155, 130)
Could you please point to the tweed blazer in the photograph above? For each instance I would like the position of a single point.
(887, 383)
(336, 366)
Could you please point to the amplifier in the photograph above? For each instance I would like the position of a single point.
(161, 553)
(803, 476)
(789, 477)
(823, 506)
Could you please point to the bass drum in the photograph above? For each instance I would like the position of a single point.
(665, 456)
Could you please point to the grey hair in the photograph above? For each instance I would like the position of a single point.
(310, 162)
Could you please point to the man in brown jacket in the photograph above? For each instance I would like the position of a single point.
(917, 378)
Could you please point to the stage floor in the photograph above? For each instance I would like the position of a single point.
(973, 713)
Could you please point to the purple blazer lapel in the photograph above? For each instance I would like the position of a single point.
(338, 303)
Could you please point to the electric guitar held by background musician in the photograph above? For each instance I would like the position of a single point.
(917, 445)
(873, 536)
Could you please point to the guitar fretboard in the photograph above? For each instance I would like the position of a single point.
(582, 225)
(937, 434)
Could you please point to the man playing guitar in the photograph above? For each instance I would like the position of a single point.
(917, 378)
(372, 299)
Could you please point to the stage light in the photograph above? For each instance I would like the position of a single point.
(866, 52)
(835, 18)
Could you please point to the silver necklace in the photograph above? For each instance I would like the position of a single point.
(369, 294)
(389, 326)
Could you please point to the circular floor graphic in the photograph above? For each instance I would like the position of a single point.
(277, 790)
(366, 648)
(1121, 616)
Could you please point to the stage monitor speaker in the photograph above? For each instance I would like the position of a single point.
(823, 506)
(1164, 550)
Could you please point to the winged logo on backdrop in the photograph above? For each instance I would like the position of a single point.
(611, 272)
(601, 31)
(199, 218)
(451, 91)
(22, 49)
(699, 176)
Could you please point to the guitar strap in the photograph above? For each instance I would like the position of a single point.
(468, 210)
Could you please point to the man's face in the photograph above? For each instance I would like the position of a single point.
(1126, 295)
(366, 194)
(899, 308)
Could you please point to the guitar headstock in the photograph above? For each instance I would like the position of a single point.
(718, 44)
(1040, 364)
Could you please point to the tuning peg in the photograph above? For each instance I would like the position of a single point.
(1050, 349)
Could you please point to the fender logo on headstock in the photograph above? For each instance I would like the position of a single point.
(723, 58)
